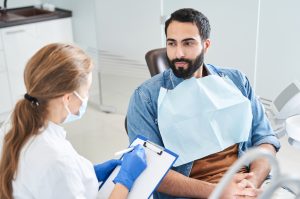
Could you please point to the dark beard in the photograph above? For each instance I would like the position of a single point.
(193, 66)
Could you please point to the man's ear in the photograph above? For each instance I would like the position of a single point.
(206, 45)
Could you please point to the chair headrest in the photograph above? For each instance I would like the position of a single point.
(157, 60)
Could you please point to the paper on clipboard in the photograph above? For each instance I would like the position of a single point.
(159, 161)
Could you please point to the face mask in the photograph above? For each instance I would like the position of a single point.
(71, 117)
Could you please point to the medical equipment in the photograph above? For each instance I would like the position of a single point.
(285, 105)
(251, 155)
(282, 181)
(292, 125)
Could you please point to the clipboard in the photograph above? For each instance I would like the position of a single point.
(159, 161)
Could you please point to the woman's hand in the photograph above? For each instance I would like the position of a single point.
(103, 170)
(133, 164)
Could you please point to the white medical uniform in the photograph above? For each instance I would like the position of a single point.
(49, 167)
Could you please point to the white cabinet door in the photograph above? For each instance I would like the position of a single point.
(5, 104)
(19, 43)
(2, 61)
(59, 30)
(1, 45)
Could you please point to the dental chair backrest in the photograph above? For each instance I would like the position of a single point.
(157, 61)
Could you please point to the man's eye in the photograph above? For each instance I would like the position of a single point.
(188, 43)
(171, 44)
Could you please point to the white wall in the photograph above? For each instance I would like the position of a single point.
(126, 30)
(279, 46)
(83, 20)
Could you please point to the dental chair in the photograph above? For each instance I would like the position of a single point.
(157, 62)
(284, 113)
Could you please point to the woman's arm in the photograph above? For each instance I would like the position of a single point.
(119, 192)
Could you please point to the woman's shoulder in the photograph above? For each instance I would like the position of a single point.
(47, 149)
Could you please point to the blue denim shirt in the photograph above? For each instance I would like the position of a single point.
(142, 113)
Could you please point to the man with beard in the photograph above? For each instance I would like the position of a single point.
(206, 114)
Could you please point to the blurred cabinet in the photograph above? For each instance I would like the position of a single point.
(54, 31)
(2, 61)
(5, 104)
(5, 100)
(19, 44)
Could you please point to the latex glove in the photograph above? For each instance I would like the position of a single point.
(133, 164)
(103, 170)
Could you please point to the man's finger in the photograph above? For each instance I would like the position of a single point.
(248, 192)
(240, 176)
(244, 197)
(246, 184)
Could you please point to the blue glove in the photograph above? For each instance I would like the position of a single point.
(133, 164)
(103, 170)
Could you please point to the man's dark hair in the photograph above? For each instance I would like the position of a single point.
(192, 16)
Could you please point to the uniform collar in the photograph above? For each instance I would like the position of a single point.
(56, 129)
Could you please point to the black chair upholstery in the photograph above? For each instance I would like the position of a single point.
(125, 124)
(157, 61)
